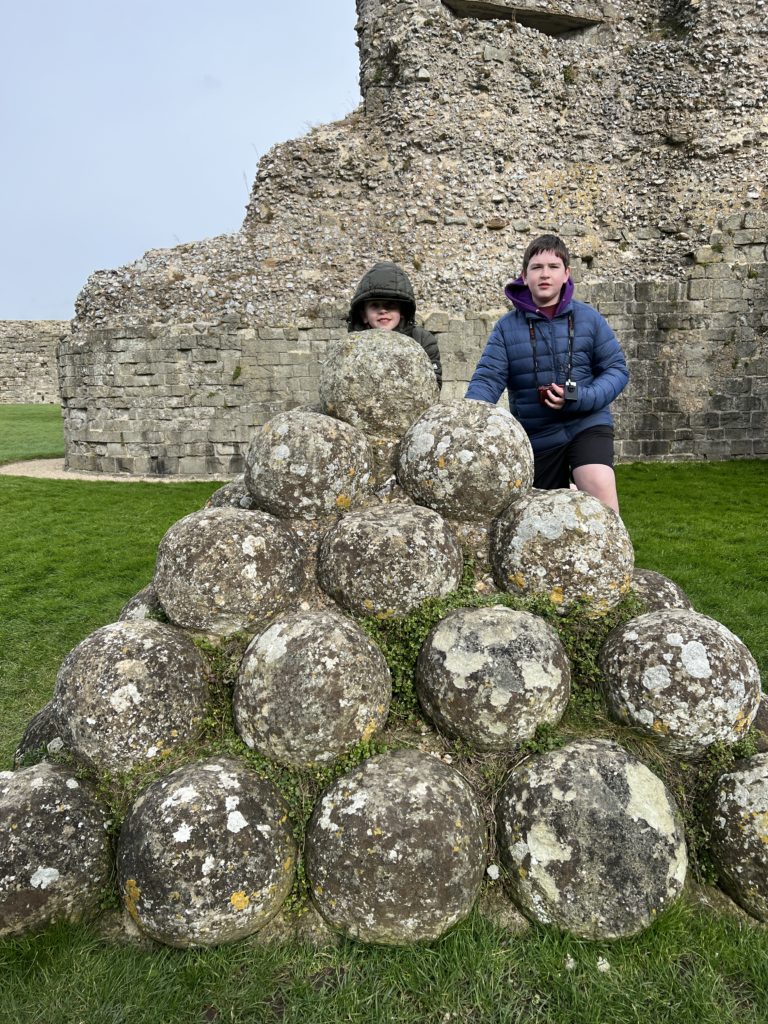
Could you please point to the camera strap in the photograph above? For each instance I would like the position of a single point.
(571, 335)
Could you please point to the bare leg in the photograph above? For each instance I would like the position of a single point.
(600, 482)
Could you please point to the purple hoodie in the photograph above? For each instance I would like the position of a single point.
(519, 294)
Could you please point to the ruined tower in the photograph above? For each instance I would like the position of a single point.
(638, 131)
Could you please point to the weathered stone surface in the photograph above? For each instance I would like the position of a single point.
(490, 676)
(739, 835)
(234, 494)
(379, 381)
(54, 848)
(681, 677)
(206, 855)
(658, 591)
(223, 570)
(143, 605)
(41, 736)
(563, 544)
(387, 560)
(592, 840)
(760, 725)
(395, 849)
(311, 686)
(306, 464)
(466, 459)
(129, 692)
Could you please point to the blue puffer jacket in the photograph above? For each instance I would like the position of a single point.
(599, 367)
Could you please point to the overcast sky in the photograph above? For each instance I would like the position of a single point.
(139, 125)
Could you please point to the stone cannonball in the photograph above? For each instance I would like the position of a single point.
(305, 464)
(54, 848)
(143, 605)
(658, 591)
(129, 692)
(387, 560)
(234, 494)
(311, 686)
(206, 855)
(466, 460)
(592, 840)
(226, 570)
(739, 835)
(565, 545)
(41, 737)
(377, 380)
(490, 676)
(682, 678)
(396, 849)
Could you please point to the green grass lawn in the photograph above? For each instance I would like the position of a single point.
(72, 553)
(30, 432)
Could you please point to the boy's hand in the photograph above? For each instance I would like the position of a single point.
(555, 396)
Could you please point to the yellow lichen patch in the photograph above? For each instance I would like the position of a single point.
(441, 462)
(556, 595)
(519, 580)
(368, 603)
(661, 727)
(343, 501)
(132, 896)
(288, 864)
(522, 872)
(352, 471)
(239, 900)
(368, 731)
(387, 613)
(518, 483)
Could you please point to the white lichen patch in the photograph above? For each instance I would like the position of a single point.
(42, 878)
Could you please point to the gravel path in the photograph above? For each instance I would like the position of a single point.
(53, 469)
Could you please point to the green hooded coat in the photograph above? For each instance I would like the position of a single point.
(388, 281)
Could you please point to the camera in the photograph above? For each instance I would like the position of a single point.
(570, 391)
(543, 394)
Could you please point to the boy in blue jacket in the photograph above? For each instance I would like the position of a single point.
(562, 367)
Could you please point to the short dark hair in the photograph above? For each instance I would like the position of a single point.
(546, 243)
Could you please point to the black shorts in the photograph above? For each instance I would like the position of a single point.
(552, 469)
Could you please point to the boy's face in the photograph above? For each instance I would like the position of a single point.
(545, 276)
(382, 313)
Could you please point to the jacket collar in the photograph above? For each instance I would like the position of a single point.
(520, 296)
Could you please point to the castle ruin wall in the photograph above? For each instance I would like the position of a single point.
(28, 374)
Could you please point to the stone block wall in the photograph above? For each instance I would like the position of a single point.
(186, 399)
(28, 361)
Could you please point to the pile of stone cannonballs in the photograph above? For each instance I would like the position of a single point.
(363, 507)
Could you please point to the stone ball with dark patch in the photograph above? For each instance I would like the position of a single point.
(565, 545)
(682, 678)
(396, 849)
(143, 605)
(490, 676)
(591, 839)
(40, 738)
(658, 591)
(54, 848)
(739, 834)
(385, 561)
(233, 494)
(206, 855)
(225, 570)
(466, 459)
(310, 687)
(377, 380)
(306, 464)
(129, 693)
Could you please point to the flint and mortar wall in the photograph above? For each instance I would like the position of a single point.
(28, 361)
(173, 399)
